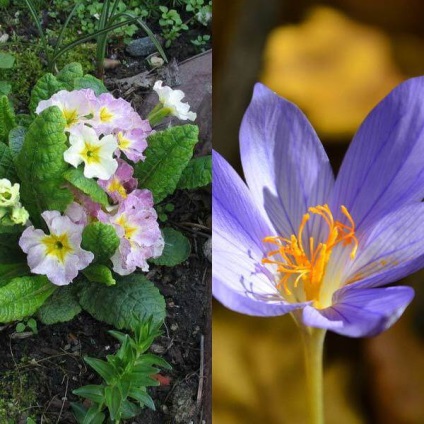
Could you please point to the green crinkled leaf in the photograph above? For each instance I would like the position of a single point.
(22, 296)
(198, 173)
(87, 185)
(88, 81)
(16, 140)
(168, 154)
(40, 165)
(177, 248)
(98, 273)
(134, 298)
(69, 73)
(7, 118)
(45, 87)
(62, 306)
(7, 167)
(101, 239)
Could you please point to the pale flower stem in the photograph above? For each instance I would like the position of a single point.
(313, 347)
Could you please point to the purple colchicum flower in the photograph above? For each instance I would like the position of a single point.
(294, 239)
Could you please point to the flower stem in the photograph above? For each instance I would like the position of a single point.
(313, 347)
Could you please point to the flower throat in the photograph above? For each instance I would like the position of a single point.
(309, 267)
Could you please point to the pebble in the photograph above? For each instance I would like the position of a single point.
(207, 249)
(141, 47)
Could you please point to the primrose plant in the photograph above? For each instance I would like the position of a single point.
(296, 240)
(79, 180)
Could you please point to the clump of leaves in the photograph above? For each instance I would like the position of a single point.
(126, 376)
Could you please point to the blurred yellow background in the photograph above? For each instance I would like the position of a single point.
(336, 60)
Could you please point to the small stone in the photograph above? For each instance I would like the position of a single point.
(141, 47)
(207, 249)
(174, 327)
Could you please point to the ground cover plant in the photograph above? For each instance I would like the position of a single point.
(79, 177)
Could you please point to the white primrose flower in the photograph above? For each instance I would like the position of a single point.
(19, 215)
(171, 99)
(97, 154)
(58, 255)
(75, 106)
(9, 194)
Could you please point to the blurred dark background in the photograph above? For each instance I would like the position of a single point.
(336, 60)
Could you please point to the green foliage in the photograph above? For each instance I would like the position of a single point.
(177, 248)
(45, 87)
(6, 62)
(62, 306)
(7, 119)
(101, 239)
(12, 270)
(87, 185)
(201, 10)
(7, 167)
(30, 324)
(69, 73)
(168, 154)
(201, 41)
(10, 252)
(198, 173)
(133, 298)
(88, 81)
(22, 296)
(98, 273)
(40, 165)
(126, 376)
(171, 24)
(16, 140)
(27, 70)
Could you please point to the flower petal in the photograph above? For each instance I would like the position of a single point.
(361, 312)
(240, 303)
(239, 278)
(383, 167)
(393, 248)
(285, 165)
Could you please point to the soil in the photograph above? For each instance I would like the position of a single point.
(39, 371)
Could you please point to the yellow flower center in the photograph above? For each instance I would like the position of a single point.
(308, 266)
(116, 187)
(71, 116)
(58, 246)
(123, 142)
(128, 229)
(91, 153)
(105, 114)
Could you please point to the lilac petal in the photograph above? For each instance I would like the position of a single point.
(250, 306)
(361, 312)
(383, 168)
(238, 230)
(392, 249)
(286, 167)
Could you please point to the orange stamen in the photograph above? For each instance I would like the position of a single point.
(309, 267)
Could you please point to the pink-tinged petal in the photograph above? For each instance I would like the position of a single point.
(77, 214)
(285, 165)
(361, 312)
(30, 238)
(383, 168)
